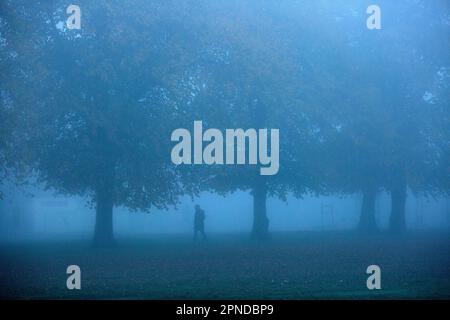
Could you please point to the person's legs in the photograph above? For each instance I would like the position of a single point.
(202, 230)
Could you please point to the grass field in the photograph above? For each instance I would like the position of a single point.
(304, 265)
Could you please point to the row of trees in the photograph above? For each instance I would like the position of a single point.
(90, 112)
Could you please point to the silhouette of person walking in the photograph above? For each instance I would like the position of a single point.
(199, 222)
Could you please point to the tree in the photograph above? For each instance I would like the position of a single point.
(248, 78)
(13, 151)
(412, 151)
(105, 98)
(382, 128)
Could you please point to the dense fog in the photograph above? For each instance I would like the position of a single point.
(224, 148)
(29, 214)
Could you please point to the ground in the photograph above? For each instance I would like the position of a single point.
(303, 265)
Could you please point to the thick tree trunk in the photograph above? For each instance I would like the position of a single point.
(103, 233)
(104, 196)
(367, 221)
(397, 222)
(104, 190)
(260, 221)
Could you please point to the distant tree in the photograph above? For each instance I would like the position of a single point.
(412, 60)
(387, 136)
(343, 116)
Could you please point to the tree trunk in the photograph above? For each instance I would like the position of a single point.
(104, 196)
(367, 221)
(103, 234)
(397, 222)
(260, 221)
(104, 190)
